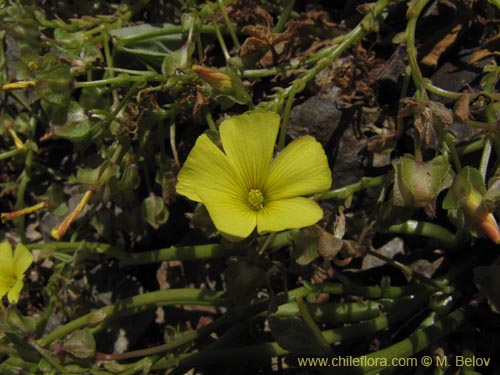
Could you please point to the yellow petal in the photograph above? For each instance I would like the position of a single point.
(300, 169)
(248, 141)
(231, 215)
(288, 214)
(207, 168)
(6, 260)
(22, 259)
(15, 291)
(3, 291)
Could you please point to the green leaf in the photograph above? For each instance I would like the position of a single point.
(97, 177)
(74, 132)
(71, 40)
(154, 211)
(17, 324)
(16, 366)
(129, 182)
(417, 183)
(177, 60)
(92, 98)
(464, 199)
(54, 84)
(80, 344)
(311, 242)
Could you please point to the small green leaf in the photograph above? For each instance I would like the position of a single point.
(54, 84)
(97, 177)
(418, 183)
(154, 211)
(18, 324)
(80, 344)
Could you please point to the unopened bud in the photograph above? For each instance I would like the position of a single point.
(27, 210)
(59, 231)
(214, 78)
(485, 220)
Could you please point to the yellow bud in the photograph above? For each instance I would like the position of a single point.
(17, 141)
(214, 78)
(27, 210)
(59, 231)
(17, 85)
(485, 220)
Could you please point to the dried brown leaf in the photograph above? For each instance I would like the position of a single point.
(432, 58)
(461, 109)
(487, 49)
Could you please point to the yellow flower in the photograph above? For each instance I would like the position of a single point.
(243, 188)
(12, 268)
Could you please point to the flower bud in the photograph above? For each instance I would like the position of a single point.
(473, 207)
(219, 81)
(27, 210)
(59, 231)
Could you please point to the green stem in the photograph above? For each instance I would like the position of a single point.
(286, 117)
(455, 95)
(371, 292)
(167, 30)
(239, 313)
(345, 312)
(491, 117)
(194, 252)
(485, 158)
(23, 183)
(52, 361)
(325, 52)
(414, 10)
(210, 251)
(264, 352)
(120, 80)
(348, 190)
(210, 121)
(220, 38)
(3, 61)
(450, 144)
(283, 17)
(307, 318)
(136, 304)
(229, 25)
(107, 56)
(490, 125)
(420, 228)
(125, 100)
(9, 154)
(471, 147)
(403, 94)
(416, 342)
(185, 339)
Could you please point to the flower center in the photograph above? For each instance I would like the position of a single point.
(256, 199)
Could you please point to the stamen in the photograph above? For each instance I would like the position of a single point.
(256, 199)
